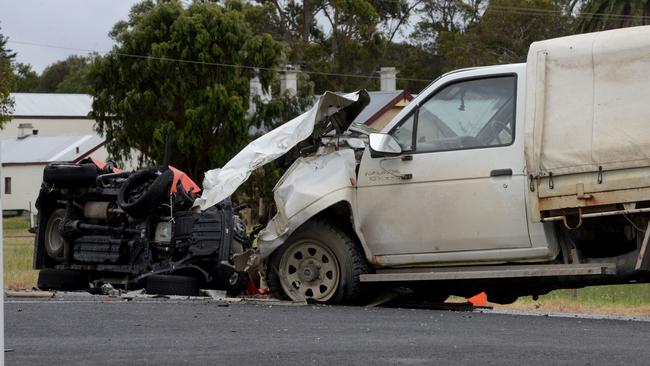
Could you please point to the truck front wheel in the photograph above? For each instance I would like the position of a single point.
(319, 262)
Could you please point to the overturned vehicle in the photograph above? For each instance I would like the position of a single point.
(98, 225)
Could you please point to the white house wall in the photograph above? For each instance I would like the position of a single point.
(25, 184)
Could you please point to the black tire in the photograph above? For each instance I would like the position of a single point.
(144, 191)
(172, 285)
(62, 280)
(53, 241)
(348, 255)
(69, 174)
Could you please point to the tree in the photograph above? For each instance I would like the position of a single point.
(417, 65)
(342, 42)
(439, 16)
(6, 81)
(353, 50)
(503, 33)
(25, 78)
(181, 70)
(598, 15)
(65, 76)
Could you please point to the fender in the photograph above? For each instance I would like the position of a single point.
(310, 185)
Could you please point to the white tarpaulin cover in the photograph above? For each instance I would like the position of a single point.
(219, 184)
(587, 102)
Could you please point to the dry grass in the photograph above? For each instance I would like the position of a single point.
(18, 252)
(574, 306)
(629, 300)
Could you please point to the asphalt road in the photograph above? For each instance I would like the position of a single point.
(91, 332)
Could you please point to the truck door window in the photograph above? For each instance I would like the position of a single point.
(404, 134)
(468, 114)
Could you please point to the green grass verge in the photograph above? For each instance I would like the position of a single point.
(18, 272)
(631, 295)
(15, 226)
(18, 245)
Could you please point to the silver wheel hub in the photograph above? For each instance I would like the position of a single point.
(309, 270)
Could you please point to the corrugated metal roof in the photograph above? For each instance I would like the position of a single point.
(378, 100)
(51, 104)
(43, 149)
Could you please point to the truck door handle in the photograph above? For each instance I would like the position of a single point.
(500, 172)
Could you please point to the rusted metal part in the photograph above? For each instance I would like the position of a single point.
(617, 180)
(580, 192)
(578, 224)
(597, 199)
(643, 261)
(597, 214)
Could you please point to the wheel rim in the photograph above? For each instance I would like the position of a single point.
(54, 242)
(309, 270)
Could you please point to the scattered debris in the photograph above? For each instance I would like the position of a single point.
(29, 294)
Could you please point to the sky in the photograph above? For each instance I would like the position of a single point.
(73, 24)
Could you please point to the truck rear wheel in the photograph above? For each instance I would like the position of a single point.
(319, 262)
(54, 242)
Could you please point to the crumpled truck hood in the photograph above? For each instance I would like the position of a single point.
(303, 186)
(219, 184)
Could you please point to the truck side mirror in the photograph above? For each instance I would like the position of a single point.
(382, 144)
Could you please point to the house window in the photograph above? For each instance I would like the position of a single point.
(7, 185)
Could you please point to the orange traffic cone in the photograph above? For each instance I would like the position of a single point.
(478, 300)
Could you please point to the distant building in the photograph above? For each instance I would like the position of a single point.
(45, 127)
(383, 107)
(24, 157)
(50, 114)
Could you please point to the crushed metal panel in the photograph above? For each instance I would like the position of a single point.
(309, 181)
(219, 184)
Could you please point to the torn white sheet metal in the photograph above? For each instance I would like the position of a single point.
(310, 185)
(219, 184)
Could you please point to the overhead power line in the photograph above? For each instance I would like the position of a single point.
(531, 11)
(537, 11)
(204, 63)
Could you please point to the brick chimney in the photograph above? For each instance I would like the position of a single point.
(387, 79)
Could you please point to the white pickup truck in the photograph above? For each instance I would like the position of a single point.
(513, 179)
